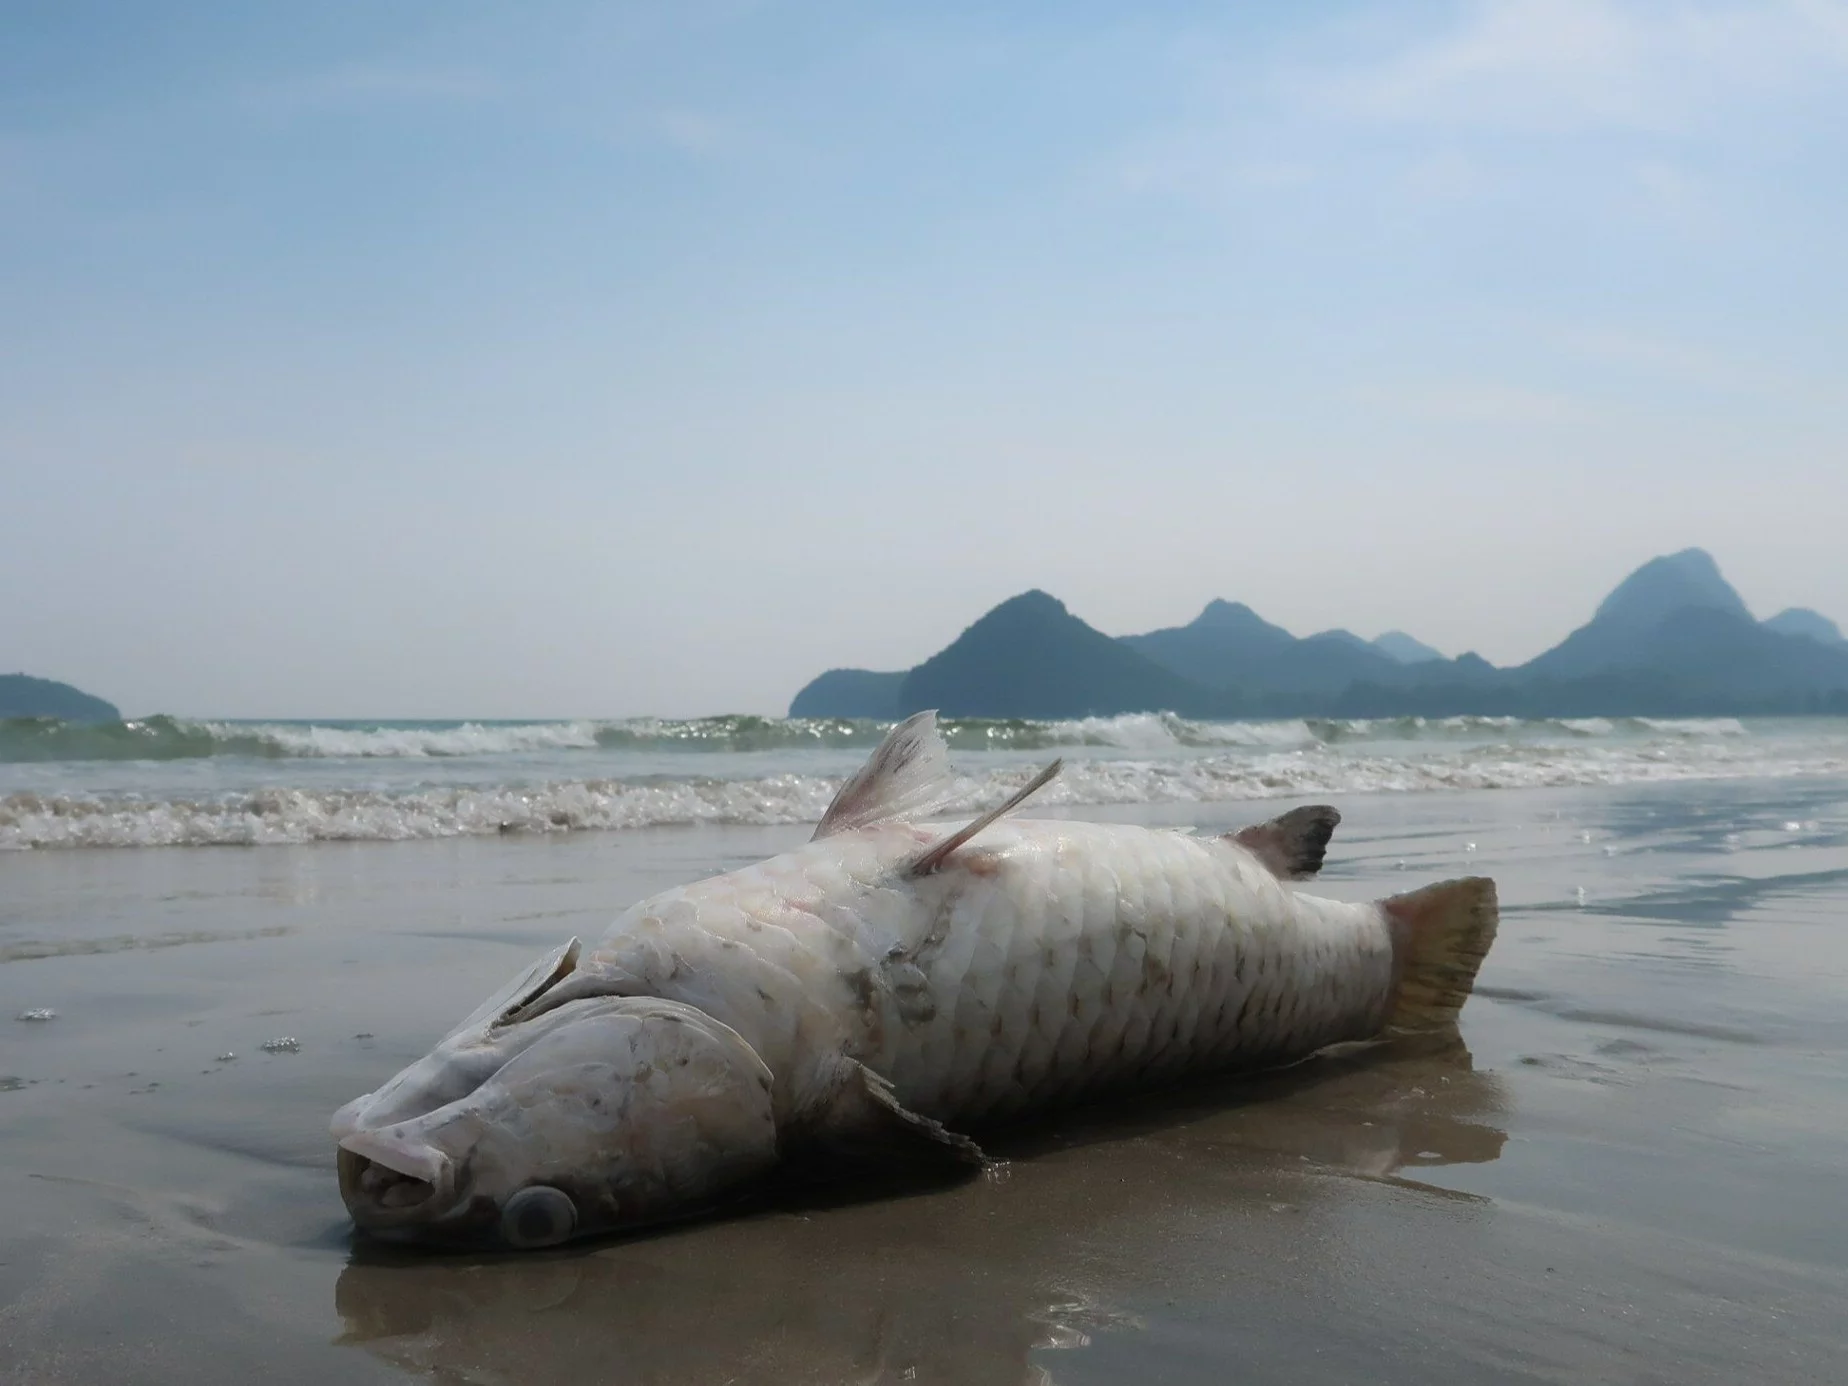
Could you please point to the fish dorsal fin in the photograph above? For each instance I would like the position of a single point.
(907, 777)
(936, 854)
(1293, 844)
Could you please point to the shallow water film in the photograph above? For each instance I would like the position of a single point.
(1627, 1168)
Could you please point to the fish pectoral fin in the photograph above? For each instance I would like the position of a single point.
(866, 1121)
(907, 777)
(938, 852)
(1292, 844)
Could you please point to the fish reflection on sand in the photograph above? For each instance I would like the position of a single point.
(1113, 1208)
(878, 992)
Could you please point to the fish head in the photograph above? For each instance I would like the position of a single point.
(602, 1114)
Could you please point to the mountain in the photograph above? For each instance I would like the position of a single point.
(21, 695)
(1030, 657)
(1696, 660)
(1396, 644)
(1675, 636)
(1672, 639)
(1616, 636)
(1812, 625)
(1213, 648)
(1666, 585)
(1228, 645)
(1723, 652)
(1217, 646)
(1346, 637)
(849, 693)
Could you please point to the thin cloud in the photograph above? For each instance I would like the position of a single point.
(362, 85)
(1475, 402)
(1651, 91)
(1555, 66)
(1198, 165)
(1665, 358)
(706, 137)
(695, 133)
(1446, 175)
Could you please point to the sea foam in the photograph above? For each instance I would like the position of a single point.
(301, 815)
(42, 740)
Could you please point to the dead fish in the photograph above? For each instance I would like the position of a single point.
(878, 993)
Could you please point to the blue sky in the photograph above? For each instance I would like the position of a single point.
(596, 359)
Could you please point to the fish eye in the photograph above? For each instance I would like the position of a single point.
(538, 1216)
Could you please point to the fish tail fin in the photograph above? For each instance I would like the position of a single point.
(1440, 936)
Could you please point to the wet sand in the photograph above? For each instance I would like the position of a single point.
(1629, 1170)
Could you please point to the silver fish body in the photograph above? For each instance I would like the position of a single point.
(879, 989)
(1053, 960)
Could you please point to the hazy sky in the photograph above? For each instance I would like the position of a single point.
(594, 359)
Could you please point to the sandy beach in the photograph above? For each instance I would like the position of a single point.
(1628, 1170)
(467, 469)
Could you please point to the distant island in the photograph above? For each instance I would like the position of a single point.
(1674, 639)
(21, 695)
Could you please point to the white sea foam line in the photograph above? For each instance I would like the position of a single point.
(295, 816)
(469, 739)
(1131, 732)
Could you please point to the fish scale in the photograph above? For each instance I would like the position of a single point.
(1060, 957)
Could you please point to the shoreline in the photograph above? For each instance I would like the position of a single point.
(1633, 1171)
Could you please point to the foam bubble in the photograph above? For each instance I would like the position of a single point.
(297, 815)
(467, 739)
(1692, 726)
(25, 740)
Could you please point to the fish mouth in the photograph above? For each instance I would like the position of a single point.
(386, 1183)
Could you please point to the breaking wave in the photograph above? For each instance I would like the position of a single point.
(29, 740)
(277, 816)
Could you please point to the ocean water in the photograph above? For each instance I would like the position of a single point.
(168, 781)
